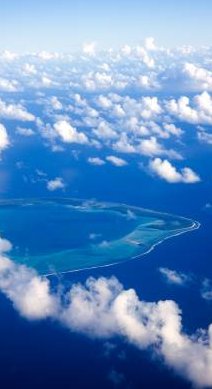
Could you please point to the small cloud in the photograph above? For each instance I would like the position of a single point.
(123, 145)
(93, 236)
(25, 131)
(55, 103)
(89, 48)
(174, 277)
(5, 245)
(8, 85)
(116, 378)
(29, 69)
(46, 81)
(199, 76)
(47, 56)
(55, 184)
(151, 147)
(96, 161)
(9, 55)
(109, 348)
(104, 131)
(119, 162)
(15, 112)
(4, 139)
(206, 289)
(204, 136)
(69, 134)
(104, 102)
(149, 43)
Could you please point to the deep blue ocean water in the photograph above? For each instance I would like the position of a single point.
(55, 358)
(44, 354)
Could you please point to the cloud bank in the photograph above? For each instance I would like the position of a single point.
(102, 308)
(144, 101)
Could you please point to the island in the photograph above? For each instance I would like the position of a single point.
(66, 234)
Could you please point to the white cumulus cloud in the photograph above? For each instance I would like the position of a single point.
(4, 138)
(57, 183)
(96, 161)
(15, 111)
(69, 134)
(165, 170)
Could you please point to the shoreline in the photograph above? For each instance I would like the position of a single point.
(195, 226)
(104, 206)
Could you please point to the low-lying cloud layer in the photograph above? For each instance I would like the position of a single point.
(140, 103)
(103, 308)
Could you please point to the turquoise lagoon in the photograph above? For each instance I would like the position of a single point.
(64, 235)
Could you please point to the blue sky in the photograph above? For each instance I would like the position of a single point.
(64, 25)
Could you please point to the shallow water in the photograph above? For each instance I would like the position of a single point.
(65, 235)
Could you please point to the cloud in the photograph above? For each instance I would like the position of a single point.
(97, 80)
(55, 184)
(4, 138)
(123, 145)
(141, 126)
(116, 378)
(150, 107)
(47, 56)
(15, 111)
(206, 289)
(201, 78)
(151, 147)
(55, 103)
(46, 81)
(150, 43)
(8, 85)
(69, 134)
(116, 161)
(195, 111)
(143, 54)
(104, 131)
(89, 48)
(148, 81)
(29, 293)
(103, 308)
(204, 136)
(29, 69)
(174, 277)
(96, 161)
(104, 102)
(126, 50)
(173, 130)
(165, 170)
(5, 245)
(9, 55)
(118, 111)
(25, 131)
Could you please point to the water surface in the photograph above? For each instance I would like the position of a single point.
(64, 235)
